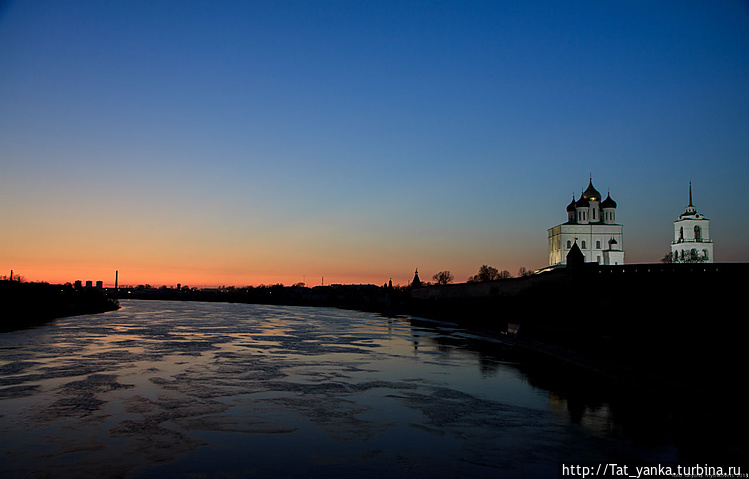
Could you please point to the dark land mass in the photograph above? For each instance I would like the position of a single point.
(671, 334)
(26, 305)
(367, 297)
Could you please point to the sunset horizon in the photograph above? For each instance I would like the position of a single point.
(569, 180)
(248, 143)
(126, 278)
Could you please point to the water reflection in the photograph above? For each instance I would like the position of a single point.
(178, 389)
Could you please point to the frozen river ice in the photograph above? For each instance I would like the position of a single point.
(178, 389)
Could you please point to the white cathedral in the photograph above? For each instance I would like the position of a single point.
(692, 243)
(591, 223)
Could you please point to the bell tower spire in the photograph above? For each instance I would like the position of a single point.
(690, 193)
(691, 210)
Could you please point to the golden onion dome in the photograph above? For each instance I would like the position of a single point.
(591, 194)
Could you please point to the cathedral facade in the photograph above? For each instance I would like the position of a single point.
(692, 243)
(591, 224)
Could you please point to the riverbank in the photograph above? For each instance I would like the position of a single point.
(29, 304)
(676, 324)
(666, 333)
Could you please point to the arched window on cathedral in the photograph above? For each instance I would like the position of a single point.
(598, 245)
(704, 254)
(697, 233)
(681, 234)
(583, 244)
(569, 244)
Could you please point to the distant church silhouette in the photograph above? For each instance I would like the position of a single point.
(416, 281)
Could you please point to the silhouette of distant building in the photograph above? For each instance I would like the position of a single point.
(692, 241)
(591, 223)
(575, 257)
(416, 281)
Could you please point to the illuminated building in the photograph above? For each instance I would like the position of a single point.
(692, 243)
(592, 224)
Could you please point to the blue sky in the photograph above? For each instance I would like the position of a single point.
(248, 142)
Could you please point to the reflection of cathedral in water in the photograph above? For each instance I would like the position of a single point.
(598, 420)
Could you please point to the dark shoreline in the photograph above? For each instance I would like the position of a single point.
(26, 305)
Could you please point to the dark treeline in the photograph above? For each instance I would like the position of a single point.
(28, 304)
(386, 299)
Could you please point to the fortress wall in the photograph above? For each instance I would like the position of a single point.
(627, 274)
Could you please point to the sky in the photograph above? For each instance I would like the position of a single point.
(261, 142)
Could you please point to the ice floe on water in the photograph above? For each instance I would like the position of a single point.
(168, 389)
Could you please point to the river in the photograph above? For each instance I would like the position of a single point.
(188, 389)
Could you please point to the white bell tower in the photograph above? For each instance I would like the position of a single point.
(692, 243)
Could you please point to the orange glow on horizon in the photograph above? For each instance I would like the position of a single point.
(132, 278)
(226, 261)
(211, 279)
